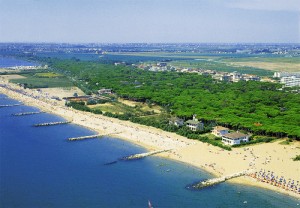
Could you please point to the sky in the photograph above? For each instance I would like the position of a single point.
(150, 21)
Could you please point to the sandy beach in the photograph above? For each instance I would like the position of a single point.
(268, 157)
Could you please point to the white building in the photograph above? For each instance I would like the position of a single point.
(194, 124)
(176, 121)
(248, 77)
(235, 138)
(286, 74)
(104, 91)
(219, 131)
(236, 77)
(291, 81)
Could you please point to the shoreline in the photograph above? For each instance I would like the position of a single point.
(200, 155)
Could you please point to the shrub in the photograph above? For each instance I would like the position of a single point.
(96, 111)
(78, 106)
(297, 158)
(255, 141)
(91, 102)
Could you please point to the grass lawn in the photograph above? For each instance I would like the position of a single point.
(290, 67)
(38, 82)
(209, 135)
(121, 108)
(286, 142)
(47, 75)
(142, 106)
(220, 65)
(212, 137)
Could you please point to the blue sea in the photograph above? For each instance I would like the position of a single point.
(12, 62)
(40, 168)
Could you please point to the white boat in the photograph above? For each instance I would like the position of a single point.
(149, 204)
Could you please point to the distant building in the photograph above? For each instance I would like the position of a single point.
(56, 98)
(194, 124)
(137, 82)
(251, 78)
(176, 121)
(78, 98)
(161, 64)
(120, 63)
(291, 81)
(104, 91)
(235, 138)
(236, 77)
(225, 78)
(219, 131)
(286, 74)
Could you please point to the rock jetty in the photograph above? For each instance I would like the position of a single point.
(51, 123)
(142, 155)
(26, 113)
(214, 181)
(10, 105)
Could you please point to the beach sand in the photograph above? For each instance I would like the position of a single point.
(268, 156)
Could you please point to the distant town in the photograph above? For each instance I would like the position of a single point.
(161, 56)
(102, 53)
(218, 75)
(102, 48)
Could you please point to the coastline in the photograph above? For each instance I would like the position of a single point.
(204, 156)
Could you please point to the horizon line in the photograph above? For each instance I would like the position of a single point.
(120, 43)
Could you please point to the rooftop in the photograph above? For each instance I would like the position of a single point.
(193, 122)
(220, 128)
(176, 119)
(234, 135)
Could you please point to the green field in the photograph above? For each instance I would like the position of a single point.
(121, 108)
(32, 81)
(47, 75)
(218, 65)
(259, 64)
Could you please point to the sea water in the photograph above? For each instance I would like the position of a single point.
(13, 62)
(40, 168)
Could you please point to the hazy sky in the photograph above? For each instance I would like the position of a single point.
(121, 21)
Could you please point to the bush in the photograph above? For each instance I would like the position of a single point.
(78, 106)
(102, 101)
(297, 158)
(255, 141)
(91, 102)
(268, 140)
(96, 111)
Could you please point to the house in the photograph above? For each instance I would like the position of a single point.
(286, 74)
(291, 81)
(120, 63)
(235, 138)
(194, 124)
(235, 76)
(77, 98)
(161, 64)
(248, 77)
(176, 121)
(225, 78)
(56, 98)
(219, 131)
(104, 91)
